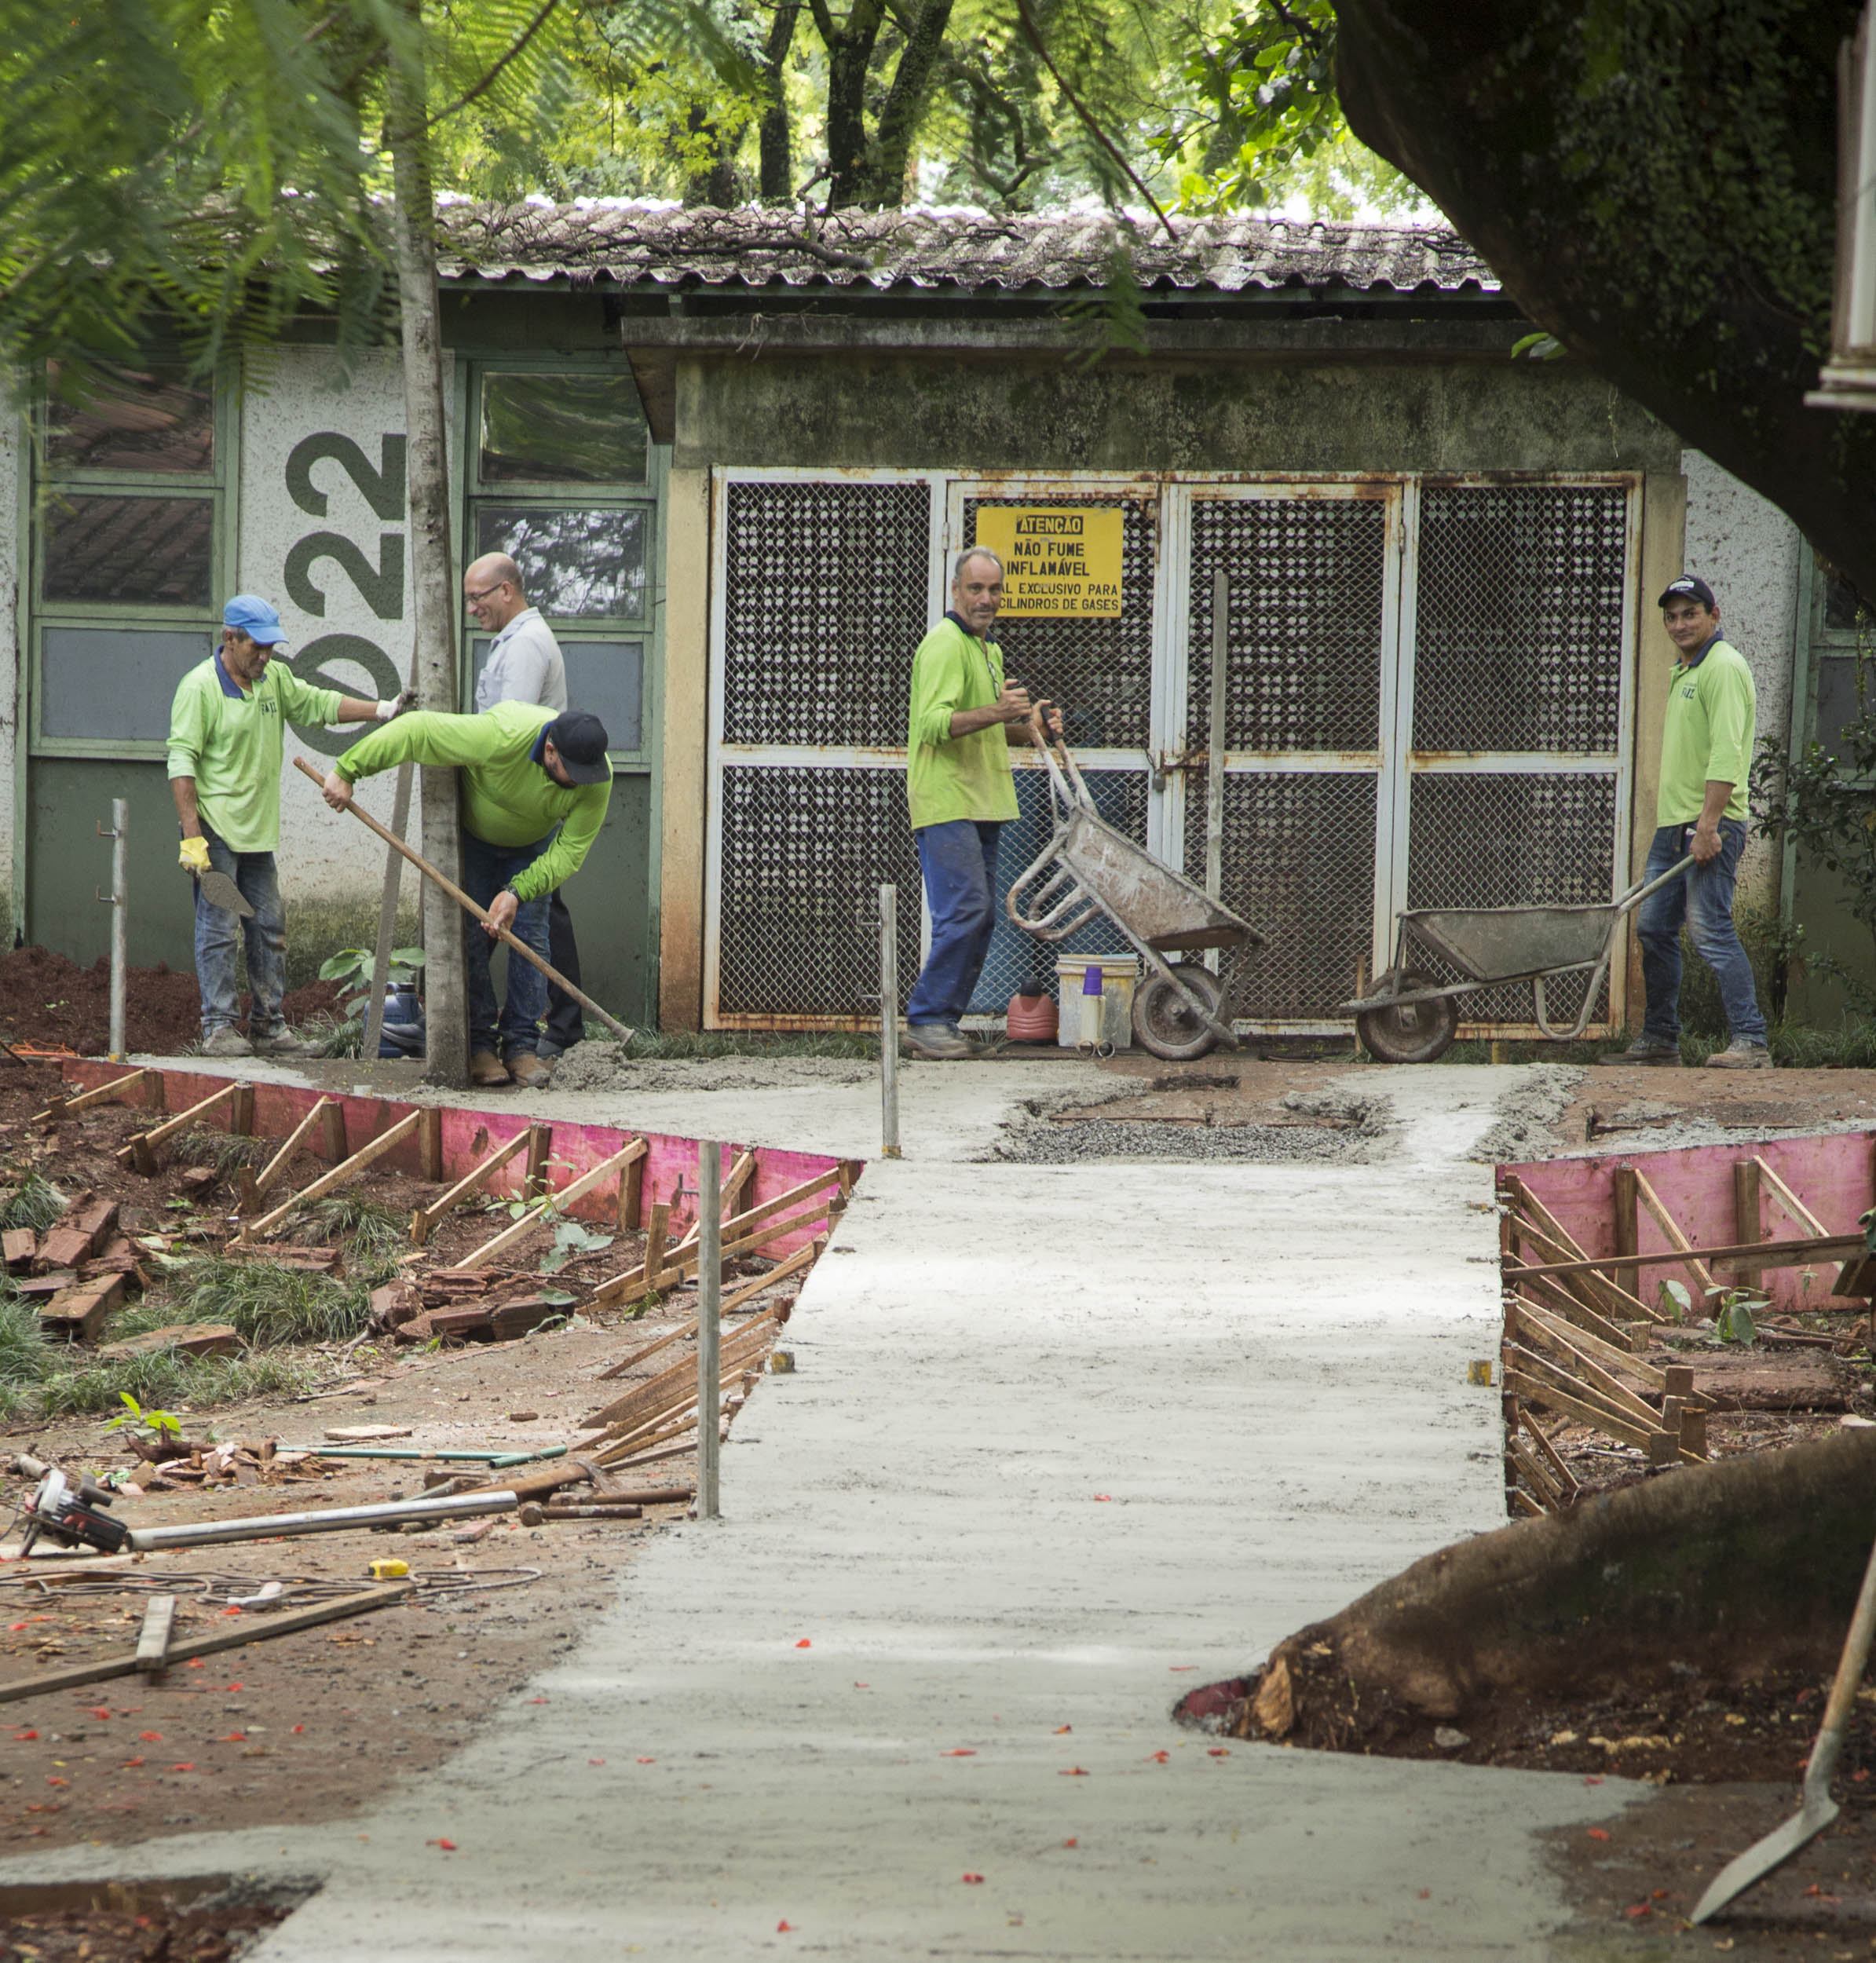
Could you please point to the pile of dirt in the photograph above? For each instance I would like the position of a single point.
(49, 1001)
(211, 1931)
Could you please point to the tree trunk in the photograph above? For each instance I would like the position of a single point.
(1746, 1566)
(1656, 183)
(889, 160)
(433, 582)
(849, 51)
(774, 138)
(713, 183)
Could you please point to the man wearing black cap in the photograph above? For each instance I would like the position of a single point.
(1706, 749)
(524, 772)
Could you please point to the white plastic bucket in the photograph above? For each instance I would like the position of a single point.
(1104, 1017)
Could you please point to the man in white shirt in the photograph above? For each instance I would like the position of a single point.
(524, 665)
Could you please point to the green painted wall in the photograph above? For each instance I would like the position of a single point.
(882, 411)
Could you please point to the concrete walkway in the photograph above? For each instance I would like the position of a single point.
(1064, 1442)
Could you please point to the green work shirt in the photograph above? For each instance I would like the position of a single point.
(946, 776)
(1712, 719)
(230, 740)
(508, 799)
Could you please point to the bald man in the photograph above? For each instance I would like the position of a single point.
(524, 665)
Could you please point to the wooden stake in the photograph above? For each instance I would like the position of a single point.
(1559, 1472)
(632, 1198)
(257, 1629)
(1668, 1226)
(653, 1269)
(145, 1158)
(801, 1258)
(683, 1259)
(1627, 1228)
(540, 1143)
(241, 1112)
(333, 1124)
(1586, 1380)
(430, 1146)
(425, 1218)
(256, 1187)
(1602, 1295)
(1748, 1220)
(1802, 1218)
(112, 1093)
(153, 1638)
(1676, 1380)
(1549, 1294)
(1534, 1470)
(348, 1169)
(554, 1202)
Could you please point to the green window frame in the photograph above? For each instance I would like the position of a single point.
(623, 613)
(102, 668)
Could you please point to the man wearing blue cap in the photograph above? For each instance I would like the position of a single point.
(227, 734)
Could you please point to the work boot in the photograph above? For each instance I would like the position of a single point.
(530, 1071)
(1741, 1054)
(226, 1041)
(485, 1068)
(283, 1042)
(1646, 1049)
(938, 1041)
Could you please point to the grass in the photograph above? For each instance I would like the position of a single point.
(36, 1204)
(374, 1233)
(61, 1380)
(268, 1306)
(225, 1151)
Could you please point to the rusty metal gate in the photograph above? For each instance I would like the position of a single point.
(1426, 704)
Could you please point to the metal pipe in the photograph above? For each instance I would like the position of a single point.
(1221, 643)
(120, 921)
(329, 1520)
(493, 1457)
(889, 1022)
(710, 1323)
(387, 916)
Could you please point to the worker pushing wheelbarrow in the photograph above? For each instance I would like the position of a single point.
(1087, 868)
(1408, 1017)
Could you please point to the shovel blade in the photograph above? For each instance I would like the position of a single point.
(221, 891)
(1760, 1859)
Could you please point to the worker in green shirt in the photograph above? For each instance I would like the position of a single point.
(963, 719)
(535, 787)
(227, 731)
(1700, 811)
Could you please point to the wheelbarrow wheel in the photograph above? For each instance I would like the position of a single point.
(1415, 1032)
(1164, 1021)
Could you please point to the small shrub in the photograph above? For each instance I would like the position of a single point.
(269, 1306)
(36, 1204)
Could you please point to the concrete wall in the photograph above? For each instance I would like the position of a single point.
(1748, 551)
(13, 666)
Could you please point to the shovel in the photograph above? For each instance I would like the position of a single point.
(220, 891)
(1818, 1809)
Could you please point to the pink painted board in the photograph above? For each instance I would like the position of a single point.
(1834, 1174)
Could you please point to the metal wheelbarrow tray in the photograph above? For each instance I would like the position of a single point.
(1407, 1018)
(1088, 868)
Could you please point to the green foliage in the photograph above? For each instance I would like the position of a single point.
(37, 1203)
(269, 1305)
(1734, 1312)
(351, 967)
(571, 1240)
(1674, 1300)
(147, 1424)
(226, 1151)
(374, 1232)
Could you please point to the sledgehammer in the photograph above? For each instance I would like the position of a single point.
(456, 893)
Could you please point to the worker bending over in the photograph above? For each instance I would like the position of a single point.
(535, 790)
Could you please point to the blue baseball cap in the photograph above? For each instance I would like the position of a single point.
(255, 619)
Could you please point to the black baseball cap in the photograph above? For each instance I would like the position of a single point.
(1689, 586)
(582, 742)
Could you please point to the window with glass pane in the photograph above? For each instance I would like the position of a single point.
(562, 429)
(1841, 603)
(112, 685)
(605, 678)
(576, 564)
(129, 551)
(113, 417)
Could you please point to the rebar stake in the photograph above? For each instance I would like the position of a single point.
(119, 904)
(710, 1303)
(889, 1023)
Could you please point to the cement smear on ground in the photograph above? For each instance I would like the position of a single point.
(1338, 1125)
(1526, 1125)
(606, 1067)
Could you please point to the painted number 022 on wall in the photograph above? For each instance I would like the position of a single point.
(379, 584)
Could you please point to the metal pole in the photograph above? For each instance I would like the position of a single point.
(710, 1303)
(387, 915)
(333, 1520)
(889, 1022)
(120, 921)
(1221, 637)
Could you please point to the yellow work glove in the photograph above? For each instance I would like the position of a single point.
(194, 858)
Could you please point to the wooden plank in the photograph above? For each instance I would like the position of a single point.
(1523, 1503)
(109, 1093)
(1586, 1370)
(1671, 1227)
(241, 1112)
(1565, 1478)
(682, 1260)
(258, 1629)
(540, 1143)
(1604, 1297)
(153, 1639)
(554, 1202)
(349, 1169)
(645, 1397)
(1764, 1254)
(1749, 1219)
(1802, 1218)
(430, 1146)
(1676, 1380)
(149, 1140)
(1627, 1228)
(332, 1148)
(424, 1220)
(1534, 1470)
(801, 1258)
(255, 1190)
(653, 1268)
(1592, 1415)
(1549, 1294)
(631, 1197)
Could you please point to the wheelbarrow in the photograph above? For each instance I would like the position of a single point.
(1088, 868)
(1409, 1018)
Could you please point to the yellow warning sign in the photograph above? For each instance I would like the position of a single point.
(1058, 559)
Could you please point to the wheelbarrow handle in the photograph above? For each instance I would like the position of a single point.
(1642, 888)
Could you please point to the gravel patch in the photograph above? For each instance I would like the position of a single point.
(604, 1067)
(1526, 1125)
(1340, 1126)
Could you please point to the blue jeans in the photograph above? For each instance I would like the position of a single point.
(486, 869)
(1703, 898)
(264, 935)
(959, 861)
